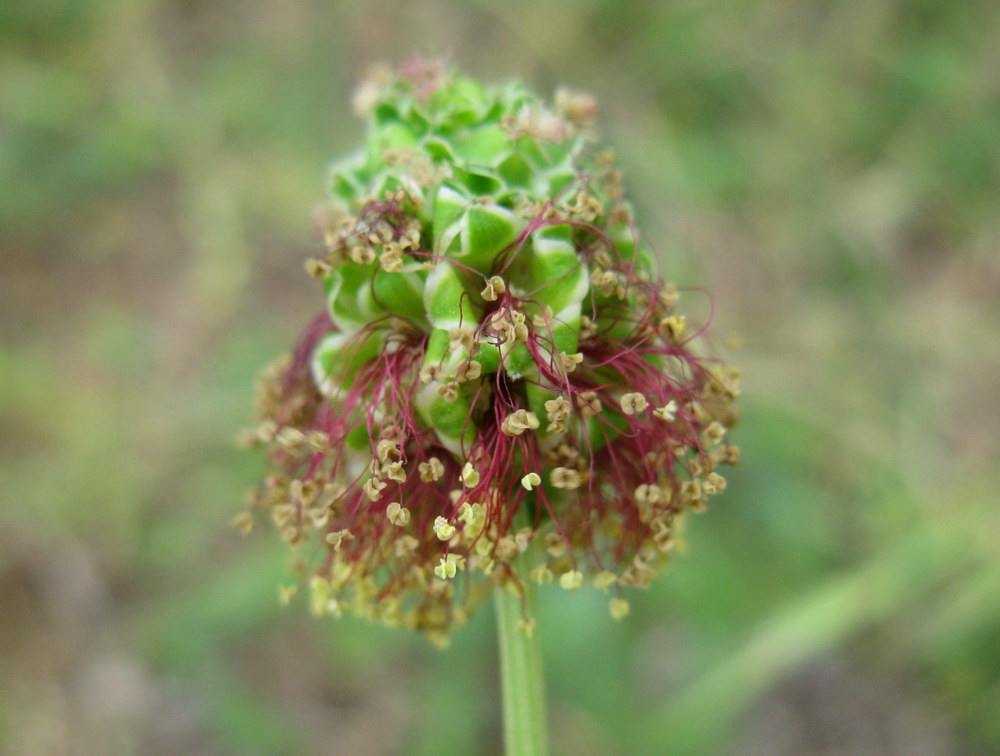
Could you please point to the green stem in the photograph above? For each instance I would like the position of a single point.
(521, 669)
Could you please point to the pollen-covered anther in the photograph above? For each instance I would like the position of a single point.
(362, 254)
(411, 239)
(290, 439)
(527, 626)
(443, 529)
(542, 574)
(634, 403)
(398, 514)
(473, 515)
(266, 430)
(391, 258)
(570, 361)
(531, 480)
(555, 545)
(462, 336)
(713, 484)
(282, 514)
(588, 329)
(557, 410)
(318, 441)
(663, 535)
(588, 403)
(618, 608)
(672, 327)
(518, 422)
(691, 491)
(448, 391)
(579, 108)
(495, 286)
(564, 455)
(430, 372)
(405, 545)
(468, 370)
(511, 326)
(319, 519)
(564, 477)
(715, 432)
(448, 567)
(317, 268)
(431, 470)
(543, 319)
(304, 491)
(523, 538)
(667, 412)
(243, 522)
(586, 207)
(337, 538)
(387, 450)
(521, 332)
(394, 471)
(602, 258)
(605, 579)
(470, 476)
(609, 282)
(293, 535)
(506, 549)
(648, 493)
(669, 295)
(571, 580)
(286, 593)
(373, 488)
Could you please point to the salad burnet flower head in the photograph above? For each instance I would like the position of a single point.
(499, 370)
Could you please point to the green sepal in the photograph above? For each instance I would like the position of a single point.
(488, 356)
(553, 184)
(483, 146)
(479, 181)
(393, 135)
(449, 204)
(556, 274)
(349, 297)
(532, 151)
(358, 438)
(349, 178)
(439, 149)
(604, 429)
(448, 301)
(450, 420)
(517, 361)
(339, 356)
(437, 346)
(566, 332)
(486, 231)
(463, 100)
(514, 169)
(402, 293)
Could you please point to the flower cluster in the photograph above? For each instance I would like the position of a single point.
(501, 387)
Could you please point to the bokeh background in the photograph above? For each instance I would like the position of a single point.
(831, 171)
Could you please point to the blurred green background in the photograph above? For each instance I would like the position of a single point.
(831, 171)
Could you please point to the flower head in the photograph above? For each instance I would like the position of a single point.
(499, 368)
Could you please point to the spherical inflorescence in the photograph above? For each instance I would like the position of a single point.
(499, 370)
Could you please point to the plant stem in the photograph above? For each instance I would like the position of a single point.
(521, 670)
